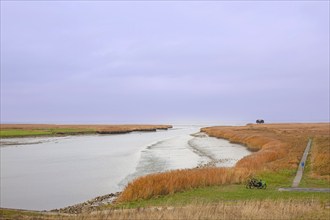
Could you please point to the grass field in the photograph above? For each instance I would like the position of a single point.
(235, 192)
(23, 133)
(225, 193)
(241, 209)
(31, 130)
(7, 133)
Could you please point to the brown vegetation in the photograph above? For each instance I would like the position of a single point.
(320, 158)
(234, 210)
(127, 127)
(277, 146)
(286, 209)
(78, 129)
(280, 146)
(178, 180)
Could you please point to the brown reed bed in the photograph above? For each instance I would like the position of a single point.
(279, 146)
(266, 209)
(179, 180)
(125, 127)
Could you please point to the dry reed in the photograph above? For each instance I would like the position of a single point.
(178, 180)
(96, 127)
(234, 210)
(266, 209)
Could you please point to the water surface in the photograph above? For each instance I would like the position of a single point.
(49, 173)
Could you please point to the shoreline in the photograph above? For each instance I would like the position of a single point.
(5, 143)
(89, 205)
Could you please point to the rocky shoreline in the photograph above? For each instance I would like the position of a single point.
(90, 205)
(97, 202)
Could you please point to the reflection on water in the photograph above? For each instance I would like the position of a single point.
(64, 171)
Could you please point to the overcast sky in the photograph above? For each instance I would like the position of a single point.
(164, 62)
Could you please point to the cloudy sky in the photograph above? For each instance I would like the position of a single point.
(164, 62)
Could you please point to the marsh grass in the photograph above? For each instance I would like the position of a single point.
(316, 166)
(31, 130)
(23, 133)
(13, 214)
(217, 194)
(231, 192)
(265, 209)
(261, 209)
(178, 180)
(320, 157)
(43, 132)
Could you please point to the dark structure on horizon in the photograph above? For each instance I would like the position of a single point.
(260, 121)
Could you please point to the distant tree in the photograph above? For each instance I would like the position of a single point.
(260, 121)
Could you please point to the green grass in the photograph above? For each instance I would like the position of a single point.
(43, 132)
(16, 214)
(227, 193)
(23, 133)
(23, 214)
(308, 181)
(71, 131)
(281, 178)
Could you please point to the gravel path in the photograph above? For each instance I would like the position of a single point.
(302, 164)
(305, 189)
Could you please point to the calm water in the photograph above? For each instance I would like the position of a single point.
(64, 171)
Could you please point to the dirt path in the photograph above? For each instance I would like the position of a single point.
(305, 189)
